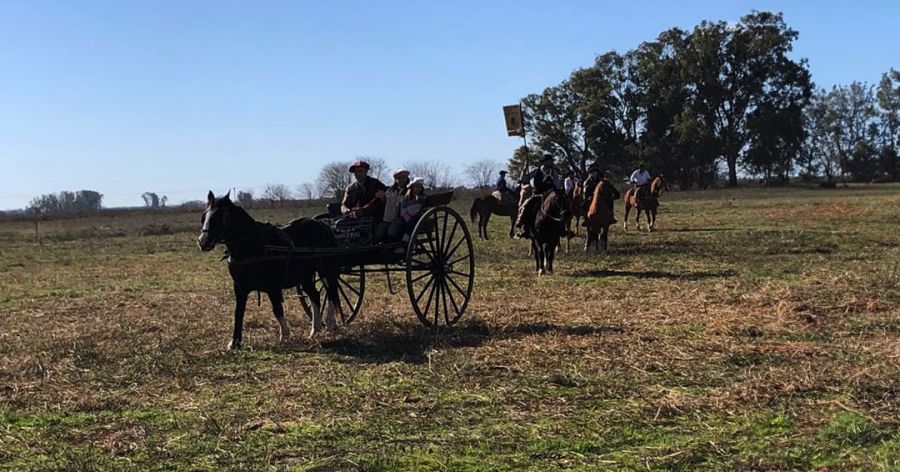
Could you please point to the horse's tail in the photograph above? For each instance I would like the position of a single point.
(473, 212)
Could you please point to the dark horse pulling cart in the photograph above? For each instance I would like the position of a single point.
(436, 257)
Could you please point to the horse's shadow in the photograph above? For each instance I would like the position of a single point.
(657, 274)
(413, 344)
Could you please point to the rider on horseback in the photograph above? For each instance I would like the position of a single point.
(639, 180)
(544, 179)
(610, 193)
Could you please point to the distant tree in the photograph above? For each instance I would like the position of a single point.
(482, 173)
(333, 179)
(888, 95)
(522, 162)
(151, 200)
(245, 199)
(436, 174)
(163, 200)
(377, 167)
(44, 204)
(277, 193)
(88, 200)
(307, 191)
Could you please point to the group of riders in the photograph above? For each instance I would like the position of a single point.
(393, 210)
(546, 179)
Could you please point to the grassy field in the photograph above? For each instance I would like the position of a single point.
(755, 330)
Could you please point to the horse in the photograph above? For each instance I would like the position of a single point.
(253, 266)
(648, 203)
(549, 225)
(485, 206)
(599, 219)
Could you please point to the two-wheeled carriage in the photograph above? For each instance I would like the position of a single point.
(436, 258)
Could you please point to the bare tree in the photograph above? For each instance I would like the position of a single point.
(307, 191)
(245, 199)
(481, 173)
(333, 179)
(151, 199)
(436, 174)
(377, 167)
(277, 193)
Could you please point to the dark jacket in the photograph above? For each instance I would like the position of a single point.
(501, 184)
(544, 182)
(360, 197)
(609, 192)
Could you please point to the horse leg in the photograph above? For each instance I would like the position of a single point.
(649, 220)
(627, 211)
(240, 304)
(637, 218)
(512, 226)
(483, 228)
(309, 287)
(333, 302)
(550, 253)
(277, 300)
(538, 256)
(653, 219)
(604, 239)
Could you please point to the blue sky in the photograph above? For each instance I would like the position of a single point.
(178, 97)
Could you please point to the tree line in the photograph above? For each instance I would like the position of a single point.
(719, 97)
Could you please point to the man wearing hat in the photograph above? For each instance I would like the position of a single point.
(543, 179)
(392, 197)
(501, 183)
(364, 197)
(589, 185)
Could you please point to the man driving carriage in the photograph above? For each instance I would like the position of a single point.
(364, 197)
(544, 179)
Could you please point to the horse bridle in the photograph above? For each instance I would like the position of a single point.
(562, 217)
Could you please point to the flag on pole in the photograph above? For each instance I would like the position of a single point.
(513, 115)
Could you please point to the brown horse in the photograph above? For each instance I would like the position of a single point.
(485, 206)
(599, 218)
(647, 202)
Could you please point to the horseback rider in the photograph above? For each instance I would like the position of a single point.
(544, 179)
(570, 183)
(639, 180)
(609, 194)
(589, 185)
(501, 186)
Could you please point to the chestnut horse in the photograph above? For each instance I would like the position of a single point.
(599, 218)
(647, 202)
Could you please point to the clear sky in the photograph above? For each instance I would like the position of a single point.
(178, 97)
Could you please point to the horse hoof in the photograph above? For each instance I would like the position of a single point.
(234, 345)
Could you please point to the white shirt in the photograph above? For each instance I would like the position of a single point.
(640, 177)
(569, 184)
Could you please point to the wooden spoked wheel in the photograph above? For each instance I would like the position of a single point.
(351, 288)
(440, 267)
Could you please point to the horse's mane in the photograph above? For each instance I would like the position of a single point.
(656, 185)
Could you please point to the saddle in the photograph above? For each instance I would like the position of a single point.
(505, 198)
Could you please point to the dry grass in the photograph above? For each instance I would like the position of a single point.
(756, 330)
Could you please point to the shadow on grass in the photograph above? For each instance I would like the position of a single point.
(657, 274)
(412, 343)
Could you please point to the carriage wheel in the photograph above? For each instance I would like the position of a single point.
(440, 267)
(351, 288)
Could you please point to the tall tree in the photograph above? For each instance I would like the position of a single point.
(481, 173)
(731, 69)
(333, 179)
(888, 94)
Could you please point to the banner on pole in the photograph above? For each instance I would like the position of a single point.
(514, 125)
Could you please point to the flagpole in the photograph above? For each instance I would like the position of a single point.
(527, 169)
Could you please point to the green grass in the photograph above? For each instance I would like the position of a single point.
(757, 329)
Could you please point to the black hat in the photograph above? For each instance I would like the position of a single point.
(547, 158)
(503, 172)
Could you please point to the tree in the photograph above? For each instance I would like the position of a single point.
(277, 193)
(307, 191)
(888, 95)
(44, 204)
(333, 179)
(731, 69)
(163, 200)
(481, 173)
(436, 174)
(245, 199)
(88, 200)
(521, 162)
(151, 200)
